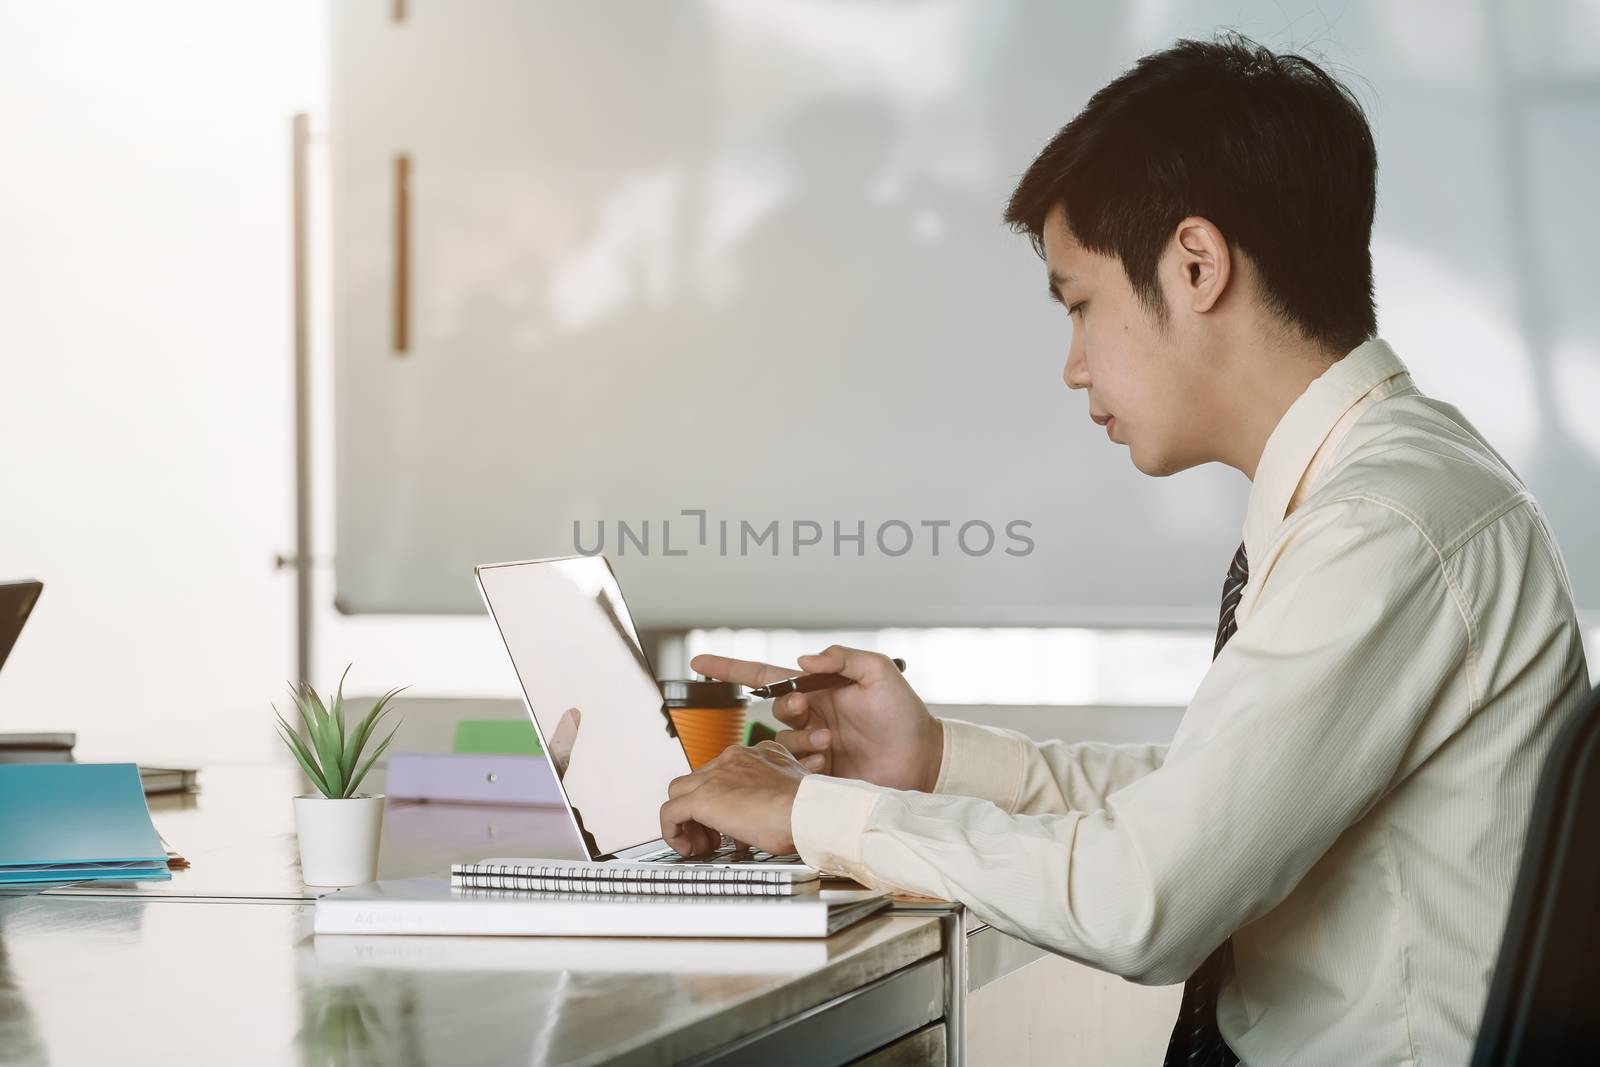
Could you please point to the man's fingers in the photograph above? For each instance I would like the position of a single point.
(739, 671)
(854, 663)
(683, 785)
(791, 708)
(805, 742)
(697, 840)
(682, 831)
(810, 747)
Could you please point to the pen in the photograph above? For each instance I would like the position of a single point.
(810, 683)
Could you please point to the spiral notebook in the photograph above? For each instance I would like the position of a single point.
(584, 876)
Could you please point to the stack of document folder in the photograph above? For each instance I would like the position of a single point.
(68, 822)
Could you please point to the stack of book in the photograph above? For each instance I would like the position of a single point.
(575, 898)
(57, 748)
(37, 748)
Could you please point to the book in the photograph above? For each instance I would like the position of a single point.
(37, 748)
(585, 876)
(32, 740)
(596, 955)
(433, 906)
(157, 780)
(36, 755)
(68, 822)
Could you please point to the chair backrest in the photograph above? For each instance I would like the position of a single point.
(1544, 999)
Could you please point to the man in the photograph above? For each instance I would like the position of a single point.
(1326, 850)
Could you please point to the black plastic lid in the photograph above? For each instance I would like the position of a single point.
(702, 694)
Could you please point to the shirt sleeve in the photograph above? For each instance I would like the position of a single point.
(1021, 775)
(1298, 728)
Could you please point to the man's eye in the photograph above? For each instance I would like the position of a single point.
(1073, 309)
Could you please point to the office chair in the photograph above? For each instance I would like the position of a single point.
(1544, 999)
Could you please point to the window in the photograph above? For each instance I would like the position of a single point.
(1000, 665)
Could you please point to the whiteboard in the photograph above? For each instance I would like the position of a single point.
(697, 267)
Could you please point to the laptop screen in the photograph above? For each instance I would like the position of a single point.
(594, 698)
(16, 601)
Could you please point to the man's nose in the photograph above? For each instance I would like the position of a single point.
(1076, 373)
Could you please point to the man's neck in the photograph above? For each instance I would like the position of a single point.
(1266, 378)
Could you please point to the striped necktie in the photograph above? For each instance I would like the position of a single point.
(1196, 1041)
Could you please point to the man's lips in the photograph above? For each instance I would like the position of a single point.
(1099, 420)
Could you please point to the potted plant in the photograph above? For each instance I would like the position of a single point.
(338, 830)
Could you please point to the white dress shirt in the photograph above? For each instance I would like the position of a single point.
(1346, 796)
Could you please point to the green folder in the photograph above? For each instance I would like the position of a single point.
(496, 737)
(516, 737)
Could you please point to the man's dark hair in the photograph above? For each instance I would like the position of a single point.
(1270, 148)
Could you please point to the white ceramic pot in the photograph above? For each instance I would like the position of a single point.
(338, 838)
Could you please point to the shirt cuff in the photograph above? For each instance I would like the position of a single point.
(829, 821)
(979, 762)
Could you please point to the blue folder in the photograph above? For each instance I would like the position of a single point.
(66, 822)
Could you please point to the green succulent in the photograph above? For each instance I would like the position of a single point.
(332, 757)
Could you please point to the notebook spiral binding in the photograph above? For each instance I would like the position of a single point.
(661, 879)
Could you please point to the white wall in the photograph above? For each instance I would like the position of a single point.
(146, 455)
(796, 205)
(145, 403)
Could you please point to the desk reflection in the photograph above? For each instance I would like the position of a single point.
(528, 1000)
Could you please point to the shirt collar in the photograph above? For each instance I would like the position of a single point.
(1302, 432)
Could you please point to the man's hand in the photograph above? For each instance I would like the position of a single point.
(746, 793)
(877, 730)
(562, 740)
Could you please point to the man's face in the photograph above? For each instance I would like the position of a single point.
(1140, 386)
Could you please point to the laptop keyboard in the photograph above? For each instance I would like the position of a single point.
(727, 852)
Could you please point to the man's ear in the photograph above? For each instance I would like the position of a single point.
(1204, 265)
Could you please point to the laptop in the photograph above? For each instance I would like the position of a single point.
(598, 709)
(16, 604)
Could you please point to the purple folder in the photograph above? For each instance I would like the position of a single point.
(471, 778)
